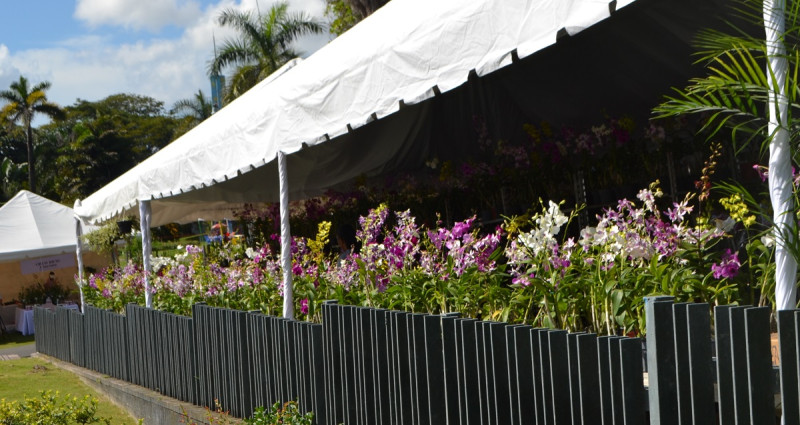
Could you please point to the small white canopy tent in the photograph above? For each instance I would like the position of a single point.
(33, 226)
(380, 97)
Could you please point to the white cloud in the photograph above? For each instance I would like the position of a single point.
(91, 67)
(8, 72)
(137, 14)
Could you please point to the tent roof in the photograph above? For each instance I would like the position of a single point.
(381, 96)
(33, 226)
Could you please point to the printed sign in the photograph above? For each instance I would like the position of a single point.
(39, 265)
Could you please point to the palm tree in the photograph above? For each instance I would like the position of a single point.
(263, 45)
(752, 88)
(195, 109)
(23, 104)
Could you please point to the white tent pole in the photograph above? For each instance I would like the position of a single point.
(79, 253)
(144, 220)
(286, 240)
(780, 167)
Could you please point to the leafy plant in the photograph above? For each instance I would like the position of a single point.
(38, 293)
(281, 414)
(51, 408)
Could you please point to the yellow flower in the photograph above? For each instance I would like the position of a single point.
(738, 210)
(533, 132)
(317, 245)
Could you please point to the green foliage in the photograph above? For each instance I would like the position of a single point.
(103, 238)
(286, 414)
(342, 15)
(11, 177)
(38, 293)
(192, 111)
(51, 409)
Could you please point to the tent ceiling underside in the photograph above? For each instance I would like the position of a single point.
(621, 66)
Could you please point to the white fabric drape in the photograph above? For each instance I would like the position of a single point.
(144, 220)
(780, 167)
(79, 254)
(286, 240)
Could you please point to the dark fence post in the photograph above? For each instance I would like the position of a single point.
(330, 336)
(483, 384)
(520, 381)
(661, 361)
(726, 404)
(559, 376)
(589, 379)
(759, 364)
(631, 368)
(788, 328)
(77, 335)
(698, 337)
(469, 393)
(574, 377)
(739, 376)
(450, 369)
(499, 344)
(682, 369)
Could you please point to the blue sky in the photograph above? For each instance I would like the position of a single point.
(90, 49)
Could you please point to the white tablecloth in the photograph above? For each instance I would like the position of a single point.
(24, 321)
(24, 318)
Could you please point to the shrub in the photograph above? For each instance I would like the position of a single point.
(50, 408)
(286, 414)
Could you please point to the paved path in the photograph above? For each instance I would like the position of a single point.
(17, 352)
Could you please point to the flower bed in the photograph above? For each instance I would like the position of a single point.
(538, 269)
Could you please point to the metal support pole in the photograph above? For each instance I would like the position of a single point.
(144, 221)
(286, 240)
(780, 154)
(78, 251)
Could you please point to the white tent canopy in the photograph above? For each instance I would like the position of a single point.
(404, 54)
(404, 86)
(32, 226)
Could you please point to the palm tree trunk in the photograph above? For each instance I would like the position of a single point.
(31, 171)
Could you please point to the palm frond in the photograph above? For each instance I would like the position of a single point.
(264, 44)
(50, 109)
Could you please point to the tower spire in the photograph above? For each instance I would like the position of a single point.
(217, 82)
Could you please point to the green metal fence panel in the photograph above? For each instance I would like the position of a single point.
(365, 366)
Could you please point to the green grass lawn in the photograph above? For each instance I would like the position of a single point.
(28, 376)
(13, 339)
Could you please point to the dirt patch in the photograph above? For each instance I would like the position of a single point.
(39, 368)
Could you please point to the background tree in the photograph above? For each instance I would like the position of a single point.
(192, 111)
(13, 165)
(23, 103)
(98, 141)
(264, 44)
(365, 8)
(345, 14)
(11, 176)
(342, 16)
